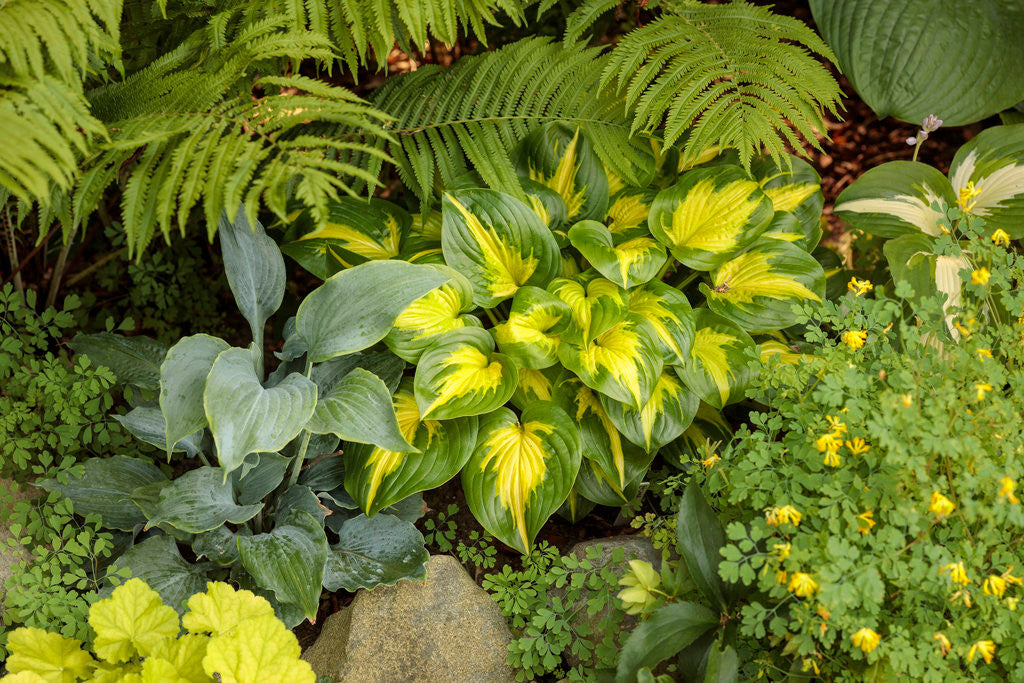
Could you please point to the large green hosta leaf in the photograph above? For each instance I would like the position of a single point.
(182, 381)
(717, 369)
(441, 310)
(530, 335)
(957, 60)
(595, 307)
(758, 288)
(376, 477)
(994, 161)
(198, 501)
(628, 263)
(358, 409)
(521, 471)
(561, 158)
(254, 268)
(133, 360)
(374, 551)
(896, 199)
(710, 215)
(498, 242)
(796, 197)
(105, 487)
(670, 316)
(664, 417)
(461, 375)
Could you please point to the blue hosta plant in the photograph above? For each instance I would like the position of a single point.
(260, 499)
(565, 350)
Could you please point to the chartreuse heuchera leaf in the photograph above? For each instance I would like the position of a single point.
(247, 418)
(222, 608)
(595, 306)
(376, 477)
(50, 656)
(496, 241)
(530, 336)
(717, 369)
(131, 623)
(709, 215)
(461, 375)
(182, 381)
(994, 161)
(758, 288)
(629, 263)
(664, 417)
(521, 471)
(441, 310)
(668, 313)
(358, 409)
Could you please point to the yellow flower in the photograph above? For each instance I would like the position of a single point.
(828, 442)
(1012, 603)
(832, 459)
(1006, 487)
(640, 584)
(941, 505)
(782, 549)
(957, 573)
(781, 576)
(865, 521)
(944, 645)
(858, 446)
(809, 665)
(710, 461)
(980, 276)
(823, 612)
(961, 329)
(999, 237)
(908, 400)
(866, 639)
(802, 585)
(780, 515)
(981, 390)
(984, 353)
(967, 193)
(836, 424)
(994, 585)
(987, 649)
(859, 286)
(855, 338)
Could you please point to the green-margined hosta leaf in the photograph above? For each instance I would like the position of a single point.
(576, 507)
(521, 471)
(758, 288)
(913, 259)
(357, 231)
(182, 381)
(560, 157)
(535, 385)
(358, 409)
(547, 204)
(710, 215)
(994, 161)
(596, 307)
(896, 199)
(708, 428)
(623, 363)
(717, 368)
(245, 417)
(628, 263)
(796, 197)
(439, 311)
(376, 477)
(356, 308)
(595, 484)
(627, 214)
(664, 417)
(374, 551)
(498, 242)
(461, 375)
(670, 316)
(530, 335)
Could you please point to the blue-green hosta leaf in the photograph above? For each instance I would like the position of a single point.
(670, 316)
(356, 308)
(560, 157)
(146, 423)
(498, 242)
(157, 561)
(441, 310)
(254, 267)
(627, 214)
(796, 198)
(133, 360)
(710, 215)
(896, 199)
(596, 307)
(521, 471)
(253, 484)
(358, 409)
(379, 361)
(461, 375)
(530, 335)
(717, 368)
(219, 545)
(623, 363)
(290, 560)
(246, 418)
(182, 381)
(994, 161)
(376, 477)
(105, 487)
(199, 501)
(707, 429)
(628, 263)
(758, 288)
(375, 551)
(663, 418)
(546, 203)
(299, 498)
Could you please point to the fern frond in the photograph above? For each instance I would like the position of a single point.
(585, 15)
(734, 75)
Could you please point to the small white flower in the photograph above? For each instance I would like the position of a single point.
(911, 141)
(931, 123)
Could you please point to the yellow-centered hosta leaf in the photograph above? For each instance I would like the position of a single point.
(670, 317)
(376, 477)
(461, 375)
(710, 215)
(717, 369)
(595, 307)
(709, 430)
(796, 199)
(663, 418)
(498, 242)
(628, 263)
(534, 385)
(530, 335)
(626, 217)
(545, 202)
(597, 485)
(521, 471)
(439, 311)
(757, 289)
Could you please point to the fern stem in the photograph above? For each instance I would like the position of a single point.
(12, 249)
(58, 274)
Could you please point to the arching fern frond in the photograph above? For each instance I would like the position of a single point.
(734, 75)
(482, 106)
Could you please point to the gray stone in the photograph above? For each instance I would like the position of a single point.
(445, 629)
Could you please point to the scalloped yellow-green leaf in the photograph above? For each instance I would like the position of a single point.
(264, 651)
(49, 656)
(131, 622)
(222, 608)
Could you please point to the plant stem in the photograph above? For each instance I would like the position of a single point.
(12, 248)
(300, 457)
(58, 274)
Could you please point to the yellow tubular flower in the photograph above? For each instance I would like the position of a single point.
(986, 648)
(981, 390)
(836, 424)
(1006, 488)
(788, 513)
(999, 237)
(782, 549)
(858, 446)
(908, 400)
(710, 461)
(865, 522)
(940, 505)
(828, 442)
(957, 573)
(994, 585)
(1012, 603)
(944, 645)
(967, 193)
(980, 276)
(861, 287)
(855, 338)
(802, 585)
(984, 353)
(832, 458)
(866, 639)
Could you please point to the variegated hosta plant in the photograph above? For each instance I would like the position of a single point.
(262, 502)
(919, 210)
(584, 326)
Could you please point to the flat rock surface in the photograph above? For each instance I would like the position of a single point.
(445, 629)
